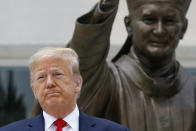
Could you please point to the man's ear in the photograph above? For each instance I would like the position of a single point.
(78, 83)
(184, 28)
(127, 22)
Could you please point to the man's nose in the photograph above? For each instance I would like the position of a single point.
(50, 81)
(159, 29)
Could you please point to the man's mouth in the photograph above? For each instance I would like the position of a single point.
(53, 92)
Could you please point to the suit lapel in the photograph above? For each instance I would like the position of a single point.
(37, 123)
(86, 123)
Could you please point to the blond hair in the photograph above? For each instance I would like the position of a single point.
(65, 53)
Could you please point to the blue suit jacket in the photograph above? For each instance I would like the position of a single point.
(86, 123)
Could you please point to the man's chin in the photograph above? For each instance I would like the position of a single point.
(53, 101)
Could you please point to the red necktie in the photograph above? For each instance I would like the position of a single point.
(60, 124)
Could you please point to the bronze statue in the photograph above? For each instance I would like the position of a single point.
(144, 88)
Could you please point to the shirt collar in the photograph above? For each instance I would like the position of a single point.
(72, 119)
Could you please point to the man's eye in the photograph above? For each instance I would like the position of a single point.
(40, 78)
(58, 74)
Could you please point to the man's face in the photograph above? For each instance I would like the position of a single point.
(157, 28)
(54, 84)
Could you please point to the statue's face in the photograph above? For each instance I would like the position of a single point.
(157, 29)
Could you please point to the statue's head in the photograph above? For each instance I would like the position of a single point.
(156, 26)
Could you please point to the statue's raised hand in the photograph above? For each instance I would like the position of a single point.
(107, 5)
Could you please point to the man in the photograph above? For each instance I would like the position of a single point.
(145, 87)
(56, 83)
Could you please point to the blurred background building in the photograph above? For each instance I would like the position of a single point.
(27, 25)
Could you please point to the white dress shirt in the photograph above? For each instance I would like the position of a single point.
(72, 120)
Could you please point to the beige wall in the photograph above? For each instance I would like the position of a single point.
(26, 25)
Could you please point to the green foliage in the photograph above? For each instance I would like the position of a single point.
(11, 107)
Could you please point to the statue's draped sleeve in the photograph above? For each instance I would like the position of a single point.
(99, 93)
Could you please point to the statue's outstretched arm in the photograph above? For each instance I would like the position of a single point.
(91, 40)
